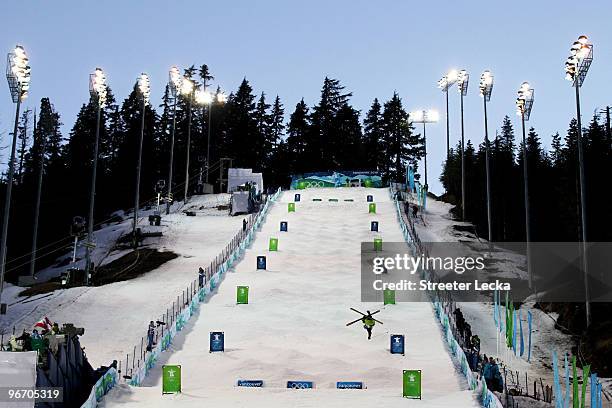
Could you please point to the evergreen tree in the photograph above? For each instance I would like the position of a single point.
(298, 130)
(373, 137)
(402, 146)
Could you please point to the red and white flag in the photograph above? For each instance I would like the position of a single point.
(44, 324)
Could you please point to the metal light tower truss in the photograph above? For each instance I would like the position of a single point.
(486, 85)
(578, 63)
(463, 80)
(524, 101)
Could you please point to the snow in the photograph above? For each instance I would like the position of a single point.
(294, 327)
(115, 316)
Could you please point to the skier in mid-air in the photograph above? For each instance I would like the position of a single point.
(368, 323)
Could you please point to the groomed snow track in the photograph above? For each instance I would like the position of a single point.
(294, 327)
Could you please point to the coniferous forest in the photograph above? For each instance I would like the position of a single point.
(554, 191)
(251, 129)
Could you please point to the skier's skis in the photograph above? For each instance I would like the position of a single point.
(363, 315)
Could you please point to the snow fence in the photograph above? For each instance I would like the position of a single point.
(486, 397)
(101, 388)
(141, 373)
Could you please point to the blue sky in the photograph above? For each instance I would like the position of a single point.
(287, 48)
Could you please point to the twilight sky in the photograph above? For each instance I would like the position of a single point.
(287, 48)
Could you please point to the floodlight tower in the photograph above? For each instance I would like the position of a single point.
(463, 80)
(98, 93)
(576, 68)
(174, 82)
(486, 88)
(425, 116)
(446, 82)
(524, 103)
(188, 90)
(18, 77)
(144, 91)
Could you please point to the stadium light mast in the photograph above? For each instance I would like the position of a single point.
(98, 93)
(524, 103)
(144, 92)
(425, 116)
(188, 90)
(174, 82)
(576, 69)
(446, 82)
(463, 80)
(204, 97)
(18, 77)
(486, 88)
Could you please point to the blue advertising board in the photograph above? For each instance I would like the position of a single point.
(299, 384)
(297, 197)
(250, 383)
(217, 342)
(397, 344)
(374, 226)
(370, 199)
(261, 262)
(347, 385)
(284, 226)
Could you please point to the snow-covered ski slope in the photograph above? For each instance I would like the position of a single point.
(294, 327)
(116, 316)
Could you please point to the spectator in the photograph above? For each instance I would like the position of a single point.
(151, 336)
(201, 277)
(244, 224)
(26, 341)
(476, 342)
(492, 376)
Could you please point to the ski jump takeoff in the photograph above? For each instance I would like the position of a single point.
(367, 320)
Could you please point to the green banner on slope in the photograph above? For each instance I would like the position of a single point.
(171, 379)
(372, 208)
(273, 246)
(242, 295)
(412, 384)
(378, 244)
(388, 297)
(291, 207)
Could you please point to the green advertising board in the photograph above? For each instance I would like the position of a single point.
(273, 246)
(291, 207)
(378, 244)
(242, 295)
(372, 208)
(412, 384)
(171, 379)
(389, 297)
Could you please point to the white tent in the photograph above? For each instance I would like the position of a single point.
(237, 177)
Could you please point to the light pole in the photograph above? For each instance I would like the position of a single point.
(576, 68)
(18, 77)
(486, 88)
(144, 91)
(425, 116)
(446, 82)
(206, 98)
(97, 91)
(175, 80)
(188, 90)
(463, 80)
(524, 103)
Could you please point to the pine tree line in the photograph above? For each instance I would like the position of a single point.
(248, 128)
(554, 191)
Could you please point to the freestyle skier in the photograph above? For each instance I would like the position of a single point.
(368, 323)
(367, 320)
